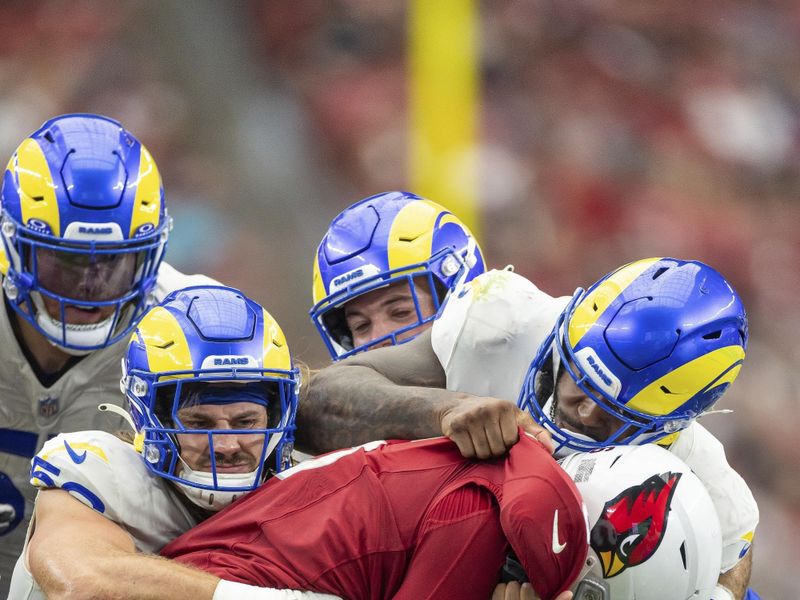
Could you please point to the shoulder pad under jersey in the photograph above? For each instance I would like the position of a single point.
(170, 279)
(108, 475)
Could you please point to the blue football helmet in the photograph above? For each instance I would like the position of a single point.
(206, 349)
(382, 240)
(84, 229)
(654, 343)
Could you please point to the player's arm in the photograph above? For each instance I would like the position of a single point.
(76, 553)
(736, 579)
(733, 500)
(513, 590)
(398, 393)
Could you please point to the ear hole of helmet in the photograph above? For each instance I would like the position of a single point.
(440, 290)
(336, 325)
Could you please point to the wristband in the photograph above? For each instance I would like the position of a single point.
(720, 593)
(231, 590)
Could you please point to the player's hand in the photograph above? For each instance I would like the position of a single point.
(488, 427)
(513, 590)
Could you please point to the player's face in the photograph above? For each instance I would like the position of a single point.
(233, 452)
(577, 412)
(82, 277)
(384, 310)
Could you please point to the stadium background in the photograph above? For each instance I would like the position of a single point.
(605, 131)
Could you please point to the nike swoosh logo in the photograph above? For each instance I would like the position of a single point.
(76, 458)
(557, 547)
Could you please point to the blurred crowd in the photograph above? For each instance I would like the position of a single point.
(610, 131)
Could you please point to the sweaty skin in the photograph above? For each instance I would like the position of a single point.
(378, 313)
(234, 453)
(398, 392)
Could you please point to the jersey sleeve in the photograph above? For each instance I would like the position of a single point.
(81, 463)
(170, 279)
(489, 331)
(107, 474)
(736, 508)
(460, 551)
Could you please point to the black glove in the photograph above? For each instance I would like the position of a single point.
(512, 570)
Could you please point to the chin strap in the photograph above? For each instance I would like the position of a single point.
(77, 335)
(214, 500)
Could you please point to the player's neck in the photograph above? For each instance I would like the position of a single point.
(48, 359)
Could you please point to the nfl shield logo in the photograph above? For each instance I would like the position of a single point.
(48, 407)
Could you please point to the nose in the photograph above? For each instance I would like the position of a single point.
(379, 329)
(226, 444)
(384, 343)
(591, 414)
(91, 281)
(594, 418)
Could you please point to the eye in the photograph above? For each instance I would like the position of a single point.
(358, 326)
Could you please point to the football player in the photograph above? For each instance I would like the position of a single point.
(381, 273)
(212, 394)
(416, 520)
(84, 228)
(649, 348)
(383, 269)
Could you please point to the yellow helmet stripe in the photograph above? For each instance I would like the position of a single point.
(165, 342)
(318, 286)
(594, 305)
(147, 204)
(3, 261)
(676, 387)
(276, 352)
(37, 189)
(411, 235)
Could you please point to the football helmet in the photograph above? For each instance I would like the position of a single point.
(654, 343)
(84, 229)
(204, 347)
(653, 529)
(381, 240)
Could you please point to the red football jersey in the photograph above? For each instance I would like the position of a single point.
(403, 520)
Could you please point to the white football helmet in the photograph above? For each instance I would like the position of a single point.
(654, 533)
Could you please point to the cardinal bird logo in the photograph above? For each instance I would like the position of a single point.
(631, 526)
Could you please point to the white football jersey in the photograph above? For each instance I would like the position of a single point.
(30, 414)
(486, 338)
(108, 475)
(490, 330)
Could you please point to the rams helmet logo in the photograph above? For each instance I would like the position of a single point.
(631, 526)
